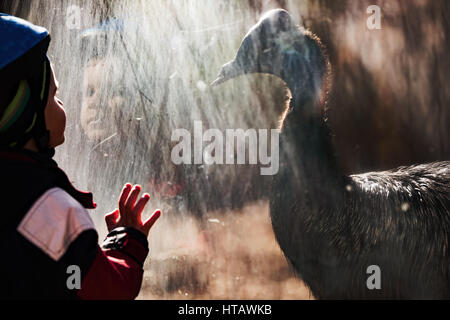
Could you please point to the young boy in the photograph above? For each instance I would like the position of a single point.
(49, 238)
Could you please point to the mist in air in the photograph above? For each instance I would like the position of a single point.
(131, 72)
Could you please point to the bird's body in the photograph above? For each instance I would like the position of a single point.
(398, 220)
(332, 227)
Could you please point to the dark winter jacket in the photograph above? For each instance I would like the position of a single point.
(48, 236)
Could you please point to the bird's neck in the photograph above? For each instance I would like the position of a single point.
(306, 145)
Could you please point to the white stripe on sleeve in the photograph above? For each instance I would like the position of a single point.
(54, 221)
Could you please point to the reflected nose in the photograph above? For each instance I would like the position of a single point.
(93, 102)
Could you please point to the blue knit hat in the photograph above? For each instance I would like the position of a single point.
(24, 82)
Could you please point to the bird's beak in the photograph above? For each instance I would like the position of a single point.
(229, 71)
(220, 79)
(244, 62)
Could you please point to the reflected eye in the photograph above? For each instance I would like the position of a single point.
(90, 91)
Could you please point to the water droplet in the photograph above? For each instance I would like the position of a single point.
(201, 85)
(405, 206)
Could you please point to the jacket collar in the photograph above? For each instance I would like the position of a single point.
(44, 160)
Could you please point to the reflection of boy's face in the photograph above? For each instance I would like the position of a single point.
(102, 98)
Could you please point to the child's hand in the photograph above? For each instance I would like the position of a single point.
(130, 211)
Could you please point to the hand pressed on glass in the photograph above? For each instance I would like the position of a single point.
(130, 212)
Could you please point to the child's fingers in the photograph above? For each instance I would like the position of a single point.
(111, 219)
(129, 204)
(124, 196)
(139, 207)
(151, 221)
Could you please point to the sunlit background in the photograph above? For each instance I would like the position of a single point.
(132, 71)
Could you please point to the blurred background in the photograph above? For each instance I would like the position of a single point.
(132, 71)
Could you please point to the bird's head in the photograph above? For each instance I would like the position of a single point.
(276, 45)
(263, 46)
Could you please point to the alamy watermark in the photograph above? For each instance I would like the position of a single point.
(234, 141)
(374, 20)
(73, 17)
(374, 280)
(74, 279)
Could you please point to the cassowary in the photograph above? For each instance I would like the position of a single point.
(332, 227)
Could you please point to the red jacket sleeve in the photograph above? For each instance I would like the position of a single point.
(116, 272)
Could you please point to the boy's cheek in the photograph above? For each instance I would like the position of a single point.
(64, 120)
(55, 117)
